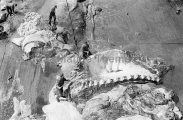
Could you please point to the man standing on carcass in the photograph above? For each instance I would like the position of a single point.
(52, 15)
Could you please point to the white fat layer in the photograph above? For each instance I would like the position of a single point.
(95, 83)
(101, 82)
(125, 70)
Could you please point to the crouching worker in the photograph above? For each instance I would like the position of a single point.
(84, 51)
(60, 31)
(64, 35)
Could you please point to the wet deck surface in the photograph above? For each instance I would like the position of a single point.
(151, 28)
(36, 84)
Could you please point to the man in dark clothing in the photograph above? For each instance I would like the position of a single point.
(13, 8)
(9, 11)
(10, 7)
(85, 52)
(65, 34)
(60, 83)
(52, 15)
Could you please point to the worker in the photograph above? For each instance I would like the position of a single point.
(52, 15)
(8, 9)
(64, 33)
(85, 52)
(60, 83)
(13, 7)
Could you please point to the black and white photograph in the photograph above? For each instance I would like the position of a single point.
(91, 59)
